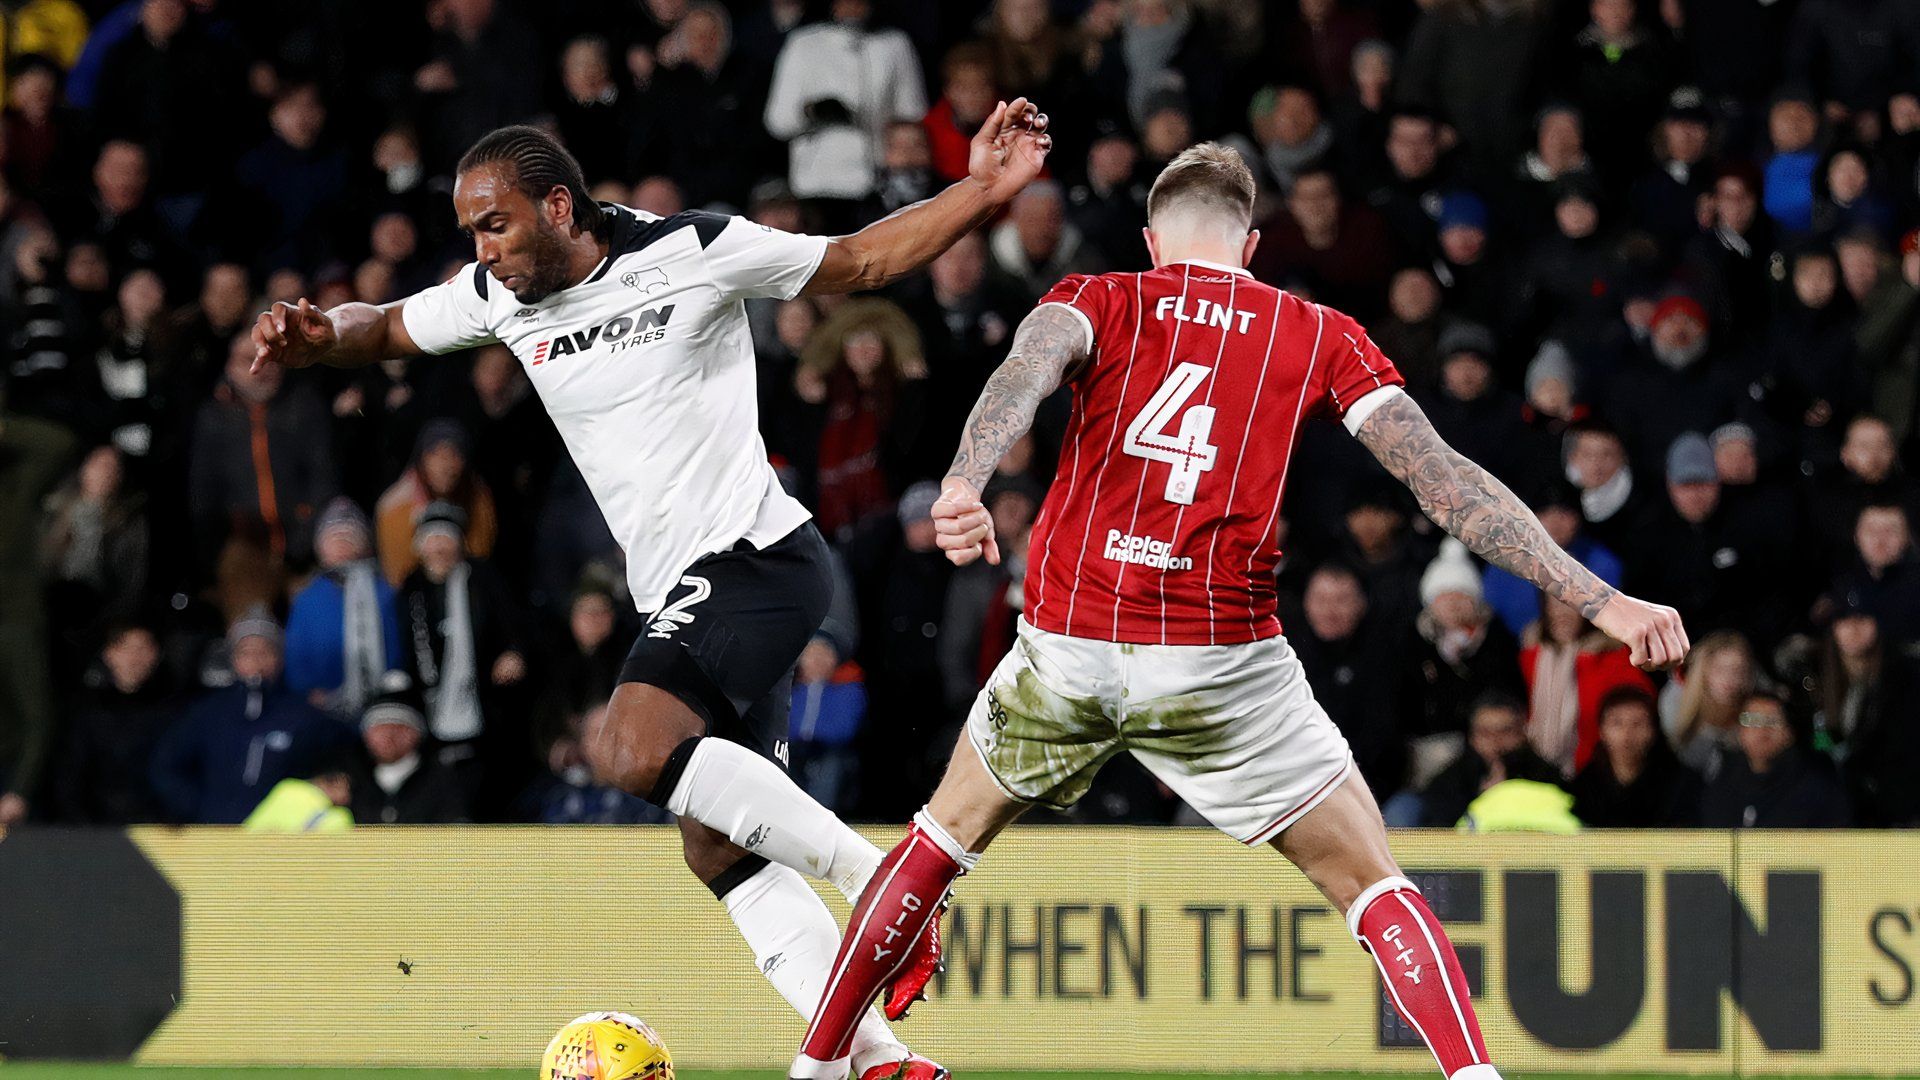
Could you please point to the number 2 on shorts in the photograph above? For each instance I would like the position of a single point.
(1188, 452)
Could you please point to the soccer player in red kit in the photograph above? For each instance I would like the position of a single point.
(1149, 623)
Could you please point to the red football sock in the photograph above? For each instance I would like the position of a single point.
(1421, 972)
(903, 897)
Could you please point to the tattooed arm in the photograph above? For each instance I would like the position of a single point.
(1049, 345)
(1470, 503)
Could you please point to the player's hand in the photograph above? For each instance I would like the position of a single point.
(965, 528)
(1652, 633)
(1010, 149)
(292, 335)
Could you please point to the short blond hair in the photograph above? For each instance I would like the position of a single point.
(1207, 175)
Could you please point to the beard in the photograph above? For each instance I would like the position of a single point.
(1679, 357)
(549, 272)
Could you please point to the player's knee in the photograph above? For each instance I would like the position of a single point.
(631, 744)
(621, 756)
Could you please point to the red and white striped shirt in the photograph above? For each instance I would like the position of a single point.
(1160, 527)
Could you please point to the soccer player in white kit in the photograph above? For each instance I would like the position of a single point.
(632, 330)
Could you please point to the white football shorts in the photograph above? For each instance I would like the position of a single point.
(1233, 729)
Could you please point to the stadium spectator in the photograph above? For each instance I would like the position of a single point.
(834, 142)
(1559, 153)
(1378, 544)
(1110, 206)
(901, 594)
(439, 472)
(1410, 191)
(142, 387)
(397, 784)
(468, 656)
(862, 384)
(1863, 718)
(1570, 669)
(1618, 74)
(1793, 128)
(708, 105)
(1677, 383)
(1812, 384)
(1470, 62)
(260, 465)
(297, 183)
(1497, 751)
(94, 553)
(1869, 474)
(33, 454)
(1730, 259)
(830, 698)
(1770, 781)
(1473, 281)
(966, 99)
(482, 75)
(1885, 571)
(1470, 408)
(176, 89)
(112, 726)
(1889, 341)
(234, 744)
(1340, 252)
(1633, 780)
(1410, 330)
(42, 136)
(1037, 245)
(585, 667)
(1700, 710)
(1290, 137)
(1665, 198)
(596, 117)
(343, 630)
(1720, 562)
(1342, 648)
(1458, 653)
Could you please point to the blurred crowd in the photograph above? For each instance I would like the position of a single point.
(1653, 263)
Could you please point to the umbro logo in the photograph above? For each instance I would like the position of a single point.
(645, 280)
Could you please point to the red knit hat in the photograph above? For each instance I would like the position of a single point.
(1679, 305)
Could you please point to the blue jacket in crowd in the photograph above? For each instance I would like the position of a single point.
(1517, 601)
(317, 634)
(233, 745)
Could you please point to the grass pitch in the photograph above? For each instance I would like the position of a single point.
(38, 1071)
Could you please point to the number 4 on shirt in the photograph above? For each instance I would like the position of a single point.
(1188, 451)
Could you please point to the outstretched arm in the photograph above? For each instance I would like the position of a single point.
(352, 335)
(1009, 151)
(1470, 503)
(1049, 345)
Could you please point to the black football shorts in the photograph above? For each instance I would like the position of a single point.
(727, 638)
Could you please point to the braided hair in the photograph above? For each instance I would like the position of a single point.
(539, 165)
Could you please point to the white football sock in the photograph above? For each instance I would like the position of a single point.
(794, 939)
(733, 790)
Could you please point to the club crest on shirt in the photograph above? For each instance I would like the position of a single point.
(645, 280)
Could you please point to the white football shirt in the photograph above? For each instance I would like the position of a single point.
(647, 369)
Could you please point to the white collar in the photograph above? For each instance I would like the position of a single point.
(1214, 266)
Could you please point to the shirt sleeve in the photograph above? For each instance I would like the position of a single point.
(1355, 369)
(1085, 296)
(452, 315)
(749, 259)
